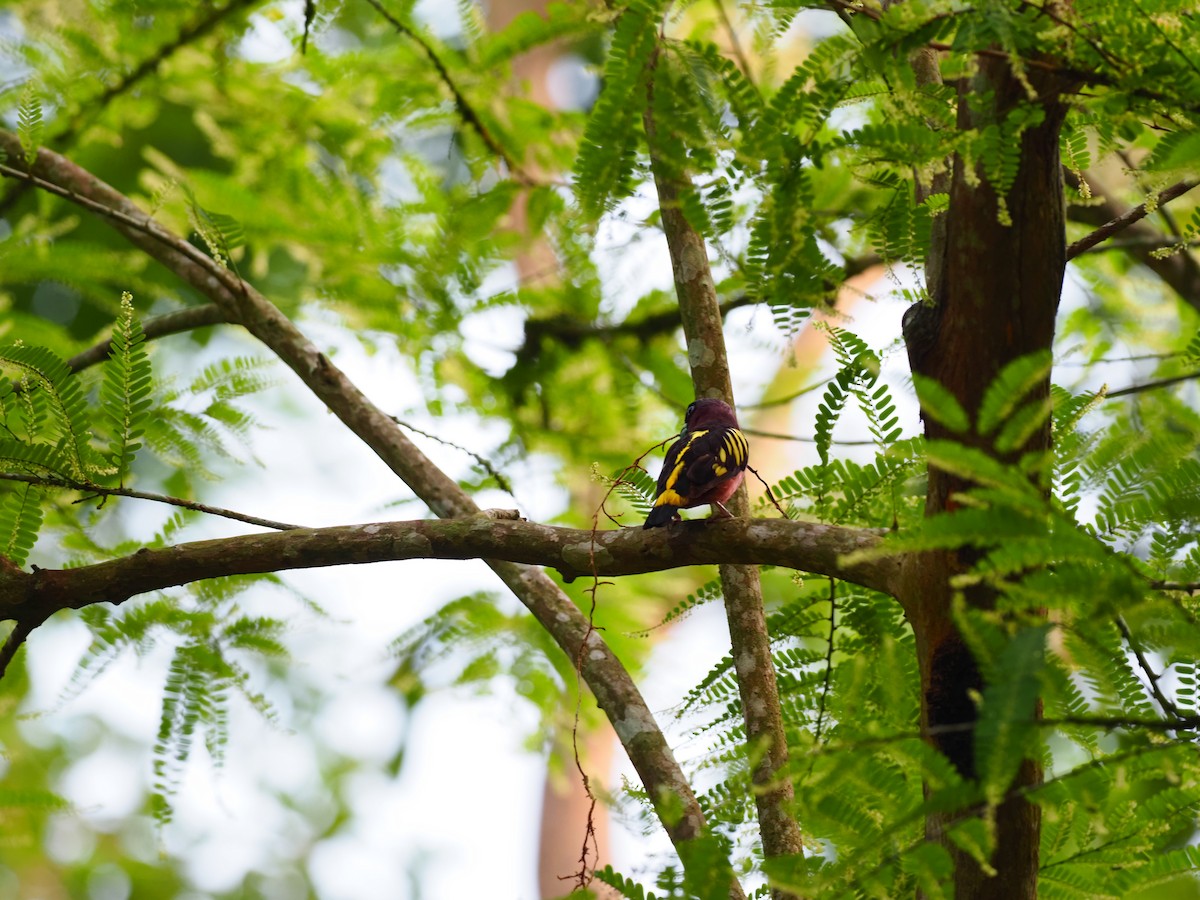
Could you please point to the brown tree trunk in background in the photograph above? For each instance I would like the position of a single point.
(565, 809)
(997, 293)
(566, 806)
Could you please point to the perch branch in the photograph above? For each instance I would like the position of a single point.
(485, 535)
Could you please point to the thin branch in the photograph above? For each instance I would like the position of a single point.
(1120, 223)
(776, 436)
(828, 678)
(483, 462)
(159, 326)
(465, 110)
(734, 43)
(1179, 271)
(571, 331)
(1184, 586)
(22, 628)
(786, 398)
(1151, 242)
(1168, 707)
(1151, 385)
(95, 490)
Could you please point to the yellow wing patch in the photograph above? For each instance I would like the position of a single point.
(681, 461)
(669, 498)
(737, 445)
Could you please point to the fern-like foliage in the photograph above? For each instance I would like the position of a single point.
(203, 676)
(608, 153)
(49, 376)
(126, 392)
(20, 521)
(29, 122)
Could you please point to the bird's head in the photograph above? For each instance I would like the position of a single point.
(708, 412)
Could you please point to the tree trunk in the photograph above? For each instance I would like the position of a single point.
(996, 292)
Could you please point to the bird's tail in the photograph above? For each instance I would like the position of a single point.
(661, 515)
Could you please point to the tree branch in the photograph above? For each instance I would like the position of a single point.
(623, 551)
(1151, 385)
(159, 326)
(1123, 221)
(1179, 271)
(750, 642)
(614, 689)
(571, 331)
(95, 490)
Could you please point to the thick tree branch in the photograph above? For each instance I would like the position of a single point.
(750, 643)
(623, 551)
(614, 689)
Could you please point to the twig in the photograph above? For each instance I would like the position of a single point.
(735, 44)
(483, 462)
(1151, 385)
(787, 398)
(465, 110)
(1168, 707)
(22, 628)
(1150, 242)
(1179, 271)
(95, 490)
(1122, 222)
(776, 436)
(770, 493)
(828, 662)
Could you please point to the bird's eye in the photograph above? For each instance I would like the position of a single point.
(691, 409)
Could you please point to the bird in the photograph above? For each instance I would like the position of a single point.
(705, 465)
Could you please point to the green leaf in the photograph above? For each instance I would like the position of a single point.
(125, 393)
(1006, 732)
(29, 122)
(1015, 381)
(940, 405)
(67, 401)
(20, 520)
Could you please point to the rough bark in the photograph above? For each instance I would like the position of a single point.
(626, 551)
(997, 293)
(741, 586)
